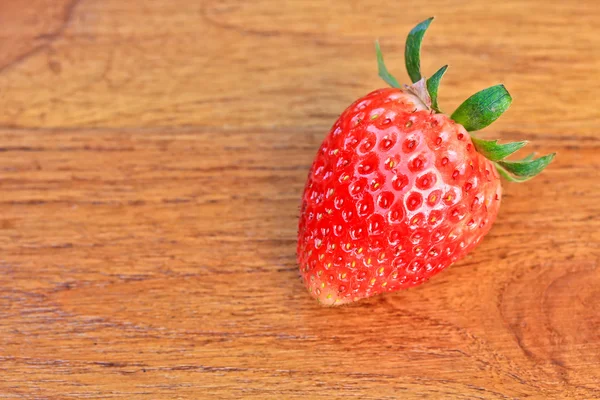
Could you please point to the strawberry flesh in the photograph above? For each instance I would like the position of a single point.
(396, 194)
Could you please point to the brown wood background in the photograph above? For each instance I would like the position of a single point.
(152, 156)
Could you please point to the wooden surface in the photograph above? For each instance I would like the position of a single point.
(152, 157)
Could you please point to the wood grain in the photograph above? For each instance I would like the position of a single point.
(152, 156)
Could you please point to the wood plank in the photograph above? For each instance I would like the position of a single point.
(177, 63)
(152, 157)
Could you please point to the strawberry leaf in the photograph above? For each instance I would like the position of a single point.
(433, 85)
(506, 175)
(529, 157)
(494, 151)
(383, 71)
(483, 108)
(412, 50)
(524, 169)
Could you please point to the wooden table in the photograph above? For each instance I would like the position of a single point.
(152, 156)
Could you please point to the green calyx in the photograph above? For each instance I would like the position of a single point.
(433, 85)
(494, 151)
(483, 108)
(475, 113)
(412, 50)
(383, 71)
(523, 170)
(514, 171)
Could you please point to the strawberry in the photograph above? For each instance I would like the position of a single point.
(398, 190)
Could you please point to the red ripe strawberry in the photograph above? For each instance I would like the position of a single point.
(399, 191)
